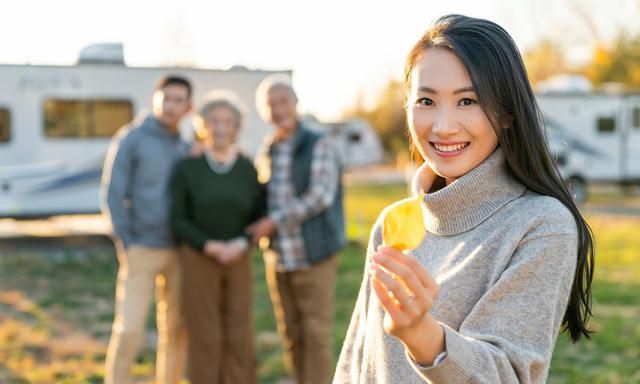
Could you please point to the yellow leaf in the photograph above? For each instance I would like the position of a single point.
(403, 225)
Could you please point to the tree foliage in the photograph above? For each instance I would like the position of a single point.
(386, 116)
(544, 60)
(618, 61)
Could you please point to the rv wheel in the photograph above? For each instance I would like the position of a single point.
(578, 188)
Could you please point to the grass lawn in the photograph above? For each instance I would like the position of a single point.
(56, 307)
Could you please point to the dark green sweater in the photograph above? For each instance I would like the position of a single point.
(207, 205)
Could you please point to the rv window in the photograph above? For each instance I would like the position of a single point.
(5, 125)
(635, 117)
(354, 137)
(606, 124)
(85, 118)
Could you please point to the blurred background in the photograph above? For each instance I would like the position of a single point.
(73, 72)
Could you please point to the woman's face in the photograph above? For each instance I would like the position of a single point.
(222, 127)
(447, 124)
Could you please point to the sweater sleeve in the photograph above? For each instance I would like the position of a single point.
(509, 335)
(182, 224)
(116, 185)
(350, 364)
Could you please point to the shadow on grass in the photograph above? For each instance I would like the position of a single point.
(56, 308)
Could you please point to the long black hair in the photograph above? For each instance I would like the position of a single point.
(500, 81)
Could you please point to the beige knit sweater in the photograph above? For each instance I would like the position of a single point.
(504, 258)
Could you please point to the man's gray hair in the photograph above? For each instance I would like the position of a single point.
(269, 83)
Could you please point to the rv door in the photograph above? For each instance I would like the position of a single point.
(632, 140)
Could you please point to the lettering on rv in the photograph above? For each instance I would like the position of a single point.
(38, 83)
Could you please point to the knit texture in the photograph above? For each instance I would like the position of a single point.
(504, 258)
(210, 205)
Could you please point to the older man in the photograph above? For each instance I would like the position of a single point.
(305, 225)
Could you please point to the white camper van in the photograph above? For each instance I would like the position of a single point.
(356, 142)
(594, 135)
(57, 121)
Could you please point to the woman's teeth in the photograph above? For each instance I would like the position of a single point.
(450, 148)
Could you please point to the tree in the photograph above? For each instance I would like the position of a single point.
(617, 61)
(544, 60)
(387, 116)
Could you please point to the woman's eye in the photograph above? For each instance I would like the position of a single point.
(424, 101)
(467, 101)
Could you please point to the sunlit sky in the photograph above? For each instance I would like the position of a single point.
(336, 49)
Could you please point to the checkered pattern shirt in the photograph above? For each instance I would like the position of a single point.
(290, 211)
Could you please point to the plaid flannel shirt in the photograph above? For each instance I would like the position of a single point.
(290, 211)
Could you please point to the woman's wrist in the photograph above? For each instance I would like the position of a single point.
(241, 242)
(425, 341)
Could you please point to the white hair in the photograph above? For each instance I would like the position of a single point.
(221, 98)
(269, 83)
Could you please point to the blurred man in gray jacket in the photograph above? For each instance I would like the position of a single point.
(135, 194)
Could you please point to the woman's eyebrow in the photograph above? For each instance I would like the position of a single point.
(457, 91)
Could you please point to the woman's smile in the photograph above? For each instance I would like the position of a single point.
(449, 149)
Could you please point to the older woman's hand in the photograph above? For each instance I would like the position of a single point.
(406, 291)
(212, 248)
(233, 251)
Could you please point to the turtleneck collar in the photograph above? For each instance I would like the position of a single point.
(469, 200)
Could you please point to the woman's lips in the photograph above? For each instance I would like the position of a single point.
(449, 149)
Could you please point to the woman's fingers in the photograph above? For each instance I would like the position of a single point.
(414, 265)
(394, 287)
(411, 273)
(405, 288)
(406, 275)
(405, 307)
(388, 303)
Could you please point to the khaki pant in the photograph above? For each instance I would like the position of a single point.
(218, 311)
(303, 305)
(141, 270)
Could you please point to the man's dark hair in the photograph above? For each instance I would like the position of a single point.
(173, 79)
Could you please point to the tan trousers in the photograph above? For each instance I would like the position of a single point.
(141, 270)
(218, 311)
(303, 305)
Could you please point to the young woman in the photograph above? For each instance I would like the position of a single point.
(506, 261)
(215, 196)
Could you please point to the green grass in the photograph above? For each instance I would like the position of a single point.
(56, 307)
(613, 353)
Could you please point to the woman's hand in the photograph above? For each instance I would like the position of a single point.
(406, 291)
(212, 248)
(234, 250)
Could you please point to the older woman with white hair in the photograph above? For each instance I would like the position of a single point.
(215, 196)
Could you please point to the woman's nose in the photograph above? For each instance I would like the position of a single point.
(445, 123)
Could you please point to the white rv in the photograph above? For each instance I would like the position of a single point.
(57, 121)
(356, 142)
(595, 136)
